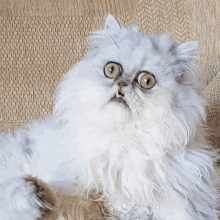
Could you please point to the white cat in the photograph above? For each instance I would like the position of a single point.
(126, 121)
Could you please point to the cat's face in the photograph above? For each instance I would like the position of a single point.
(131, 75)
(137, 73)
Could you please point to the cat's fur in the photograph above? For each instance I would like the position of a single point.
(149, 158)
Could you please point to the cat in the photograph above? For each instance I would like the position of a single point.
(128, 122)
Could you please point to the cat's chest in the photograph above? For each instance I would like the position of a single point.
(109, 136)
(114, 141)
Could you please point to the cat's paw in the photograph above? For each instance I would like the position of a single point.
(44, 195)
(27, 199)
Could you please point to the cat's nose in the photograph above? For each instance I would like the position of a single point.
(122, 83)
(120, 92)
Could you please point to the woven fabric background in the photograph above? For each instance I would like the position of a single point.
(40, 40)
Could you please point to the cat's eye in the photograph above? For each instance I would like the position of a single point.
(112, 69)
(146, 80)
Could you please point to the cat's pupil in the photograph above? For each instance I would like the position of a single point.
(111, 69)
(147, 81)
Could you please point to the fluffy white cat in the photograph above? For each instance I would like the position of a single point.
(127, 121)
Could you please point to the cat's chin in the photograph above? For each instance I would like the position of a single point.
(117, 111)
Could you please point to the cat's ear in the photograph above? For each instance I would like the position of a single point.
(186, 54)
(165, 41)
(103, 36)
(111, 22)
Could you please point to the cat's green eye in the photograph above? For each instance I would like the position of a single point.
(112, 69)
(146, 80)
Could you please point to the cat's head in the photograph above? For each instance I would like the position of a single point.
(130, 75)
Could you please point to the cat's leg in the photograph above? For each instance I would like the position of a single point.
(27, 198)
(31, 199)
(21, 197)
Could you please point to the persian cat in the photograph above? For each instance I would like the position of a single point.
(125, 141)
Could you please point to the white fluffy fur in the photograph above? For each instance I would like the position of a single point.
(151, 161)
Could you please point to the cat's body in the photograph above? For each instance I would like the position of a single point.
(134, 132)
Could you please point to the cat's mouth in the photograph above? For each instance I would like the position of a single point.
(120, 100)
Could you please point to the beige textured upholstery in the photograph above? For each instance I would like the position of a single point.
(42, 39)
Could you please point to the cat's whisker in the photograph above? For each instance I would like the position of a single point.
(138, 102)
(116, 43)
